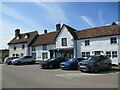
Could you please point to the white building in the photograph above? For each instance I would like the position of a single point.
(68, 42)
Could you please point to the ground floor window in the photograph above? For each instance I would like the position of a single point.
(21, 54)
(44, 55)
(112, 54)
(108, 53)
(85, 54)
(34, 55)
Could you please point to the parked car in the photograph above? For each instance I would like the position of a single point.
(52, 62)
(95, 63)
(22, 60)
(8, 60)
(71, 63)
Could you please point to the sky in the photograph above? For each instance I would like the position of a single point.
(32, 16)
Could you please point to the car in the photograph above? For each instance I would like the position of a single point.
(8, 60)
(23, 60)
(95, 63)
(71, 63)
(53, 62)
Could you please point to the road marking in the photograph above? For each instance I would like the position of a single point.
(72, 75)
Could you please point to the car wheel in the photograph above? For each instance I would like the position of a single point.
(96, 69)
(109, 67)
(50, 66)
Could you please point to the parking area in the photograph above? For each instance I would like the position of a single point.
(32, 76)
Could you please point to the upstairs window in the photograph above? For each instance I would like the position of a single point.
(33, 48)
(64, 41)
(14, 47)
(44, 47)
(87, 42)
(113, 40)
(23, 46)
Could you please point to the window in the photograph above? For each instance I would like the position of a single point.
(87, 42)
(64, 41)
(108, 53)
(113, 40)
(23, 46)
(17, 55)
(114, 54)
(85, 54)
(45, 55)
(21, 54)
(14, 47)
(44, 47)
(33, 48)
(13, 55)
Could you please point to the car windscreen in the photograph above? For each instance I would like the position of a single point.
(93, 58)
(51, 59)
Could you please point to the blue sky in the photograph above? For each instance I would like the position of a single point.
(31, 16)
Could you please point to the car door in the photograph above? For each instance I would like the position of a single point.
(101, 63)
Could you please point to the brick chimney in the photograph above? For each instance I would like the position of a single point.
(58, 27)
(17, 32)
(45, 31)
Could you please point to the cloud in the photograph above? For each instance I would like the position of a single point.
(88, 21)
(100, 16)
(55, 13)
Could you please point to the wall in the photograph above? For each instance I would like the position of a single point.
(101, 43)
(39, 50)
(18, 50)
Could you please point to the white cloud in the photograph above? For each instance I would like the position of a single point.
(55, 12)
(88, 21)
(100, 16)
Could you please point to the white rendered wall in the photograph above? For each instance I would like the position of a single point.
(101, 43)
(64, 34)
(18, 50)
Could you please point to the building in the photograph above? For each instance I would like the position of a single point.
(3, 54)
(69, 42)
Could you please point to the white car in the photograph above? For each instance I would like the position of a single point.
(22, 60)
(8, 60)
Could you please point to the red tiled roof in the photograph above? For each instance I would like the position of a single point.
(22, 38)
(47, 38)
(98, 32)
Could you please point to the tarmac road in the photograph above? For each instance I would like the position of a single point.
(32, 76)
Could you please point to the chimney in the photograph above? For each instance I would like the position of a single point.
(114, 23)
(45, 31)
(57, 27)
(17, 32)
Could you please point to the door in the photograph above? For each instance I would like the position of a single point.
(97, 53)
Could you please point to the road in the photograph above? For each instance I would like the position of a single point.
(31, 76)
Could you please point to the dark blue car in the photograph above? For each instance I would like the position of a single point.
(71, 63)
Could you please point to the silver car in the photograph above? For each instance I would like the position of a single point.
(8, 60)
(22, 60)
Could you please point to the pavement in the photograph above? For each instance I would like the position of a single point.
(32, 76)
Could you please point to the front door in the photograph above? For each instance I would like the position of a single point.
(97, 53)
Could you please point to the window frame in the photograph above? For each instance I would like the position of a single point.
(33, 48)
(114, 54)
(64, 41)
(113, 40)
(87, 42)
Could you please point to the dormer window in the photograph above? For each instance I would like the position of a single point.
(17, 38)
(26, 36)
